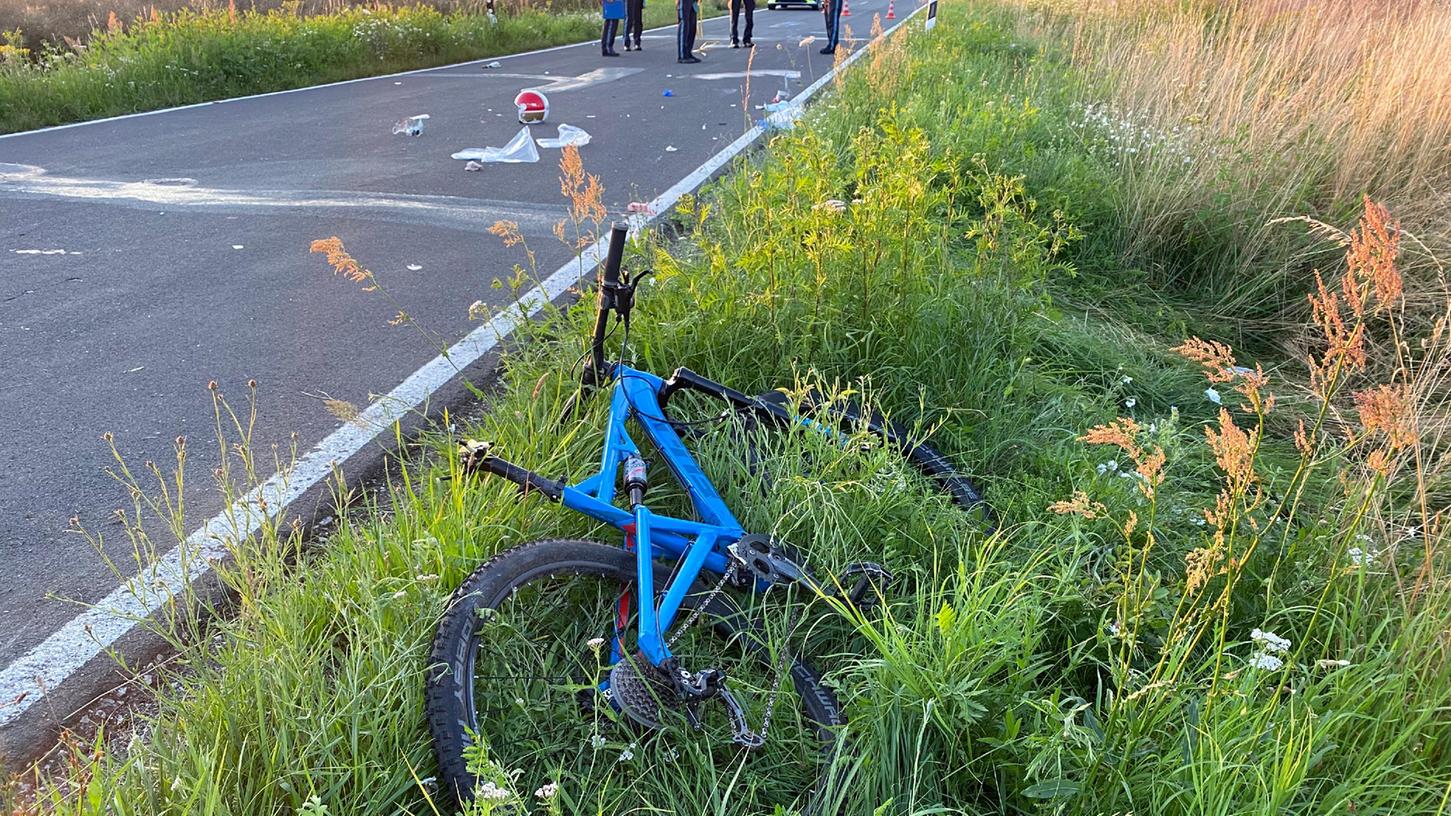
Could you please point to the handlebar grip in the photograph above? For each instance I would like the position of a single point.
(528, 480)
(618, 234)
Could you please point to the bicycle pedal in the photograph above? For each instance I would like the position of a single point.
(866, 584)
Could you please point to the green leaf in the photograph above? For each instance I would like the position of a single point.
(1052, 789)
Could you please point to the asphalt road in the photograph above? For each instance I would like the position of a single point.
(142, 257)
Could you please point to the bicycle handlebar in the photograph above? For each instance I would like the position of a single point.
(615, 295)
(616, 253)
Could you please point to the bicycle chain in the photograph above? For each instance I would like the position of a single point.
(699, 610)
(776, 685)
(700, 607)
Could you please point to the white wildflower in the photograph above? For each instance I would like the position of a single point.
(597, 742)
(1213, 396)
(548, 791)
(1331, 664)
(1358, 556)
(595, 643)
(490, 792)
(1268, 662)
(626, 755)
(1131, 402)
(1108, 467)
(1269, 641)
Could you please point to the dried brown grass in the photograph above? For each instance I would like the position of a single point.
(1289, 103)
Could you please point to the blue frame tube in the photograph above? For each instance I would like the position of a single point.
(702, 544)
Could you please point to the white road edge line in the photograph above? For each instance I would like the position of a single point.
(24, 682)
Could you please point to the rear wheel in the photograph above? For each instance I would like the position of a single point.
(524, 646)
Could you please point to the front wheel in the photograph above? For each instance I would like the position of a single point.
(523, 650)
(848, 418)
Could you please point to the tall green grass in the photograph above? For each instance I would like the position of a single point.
(1095, 658)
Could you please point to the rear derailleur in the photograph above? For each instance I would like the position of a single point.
(708, 684)
(641, 690)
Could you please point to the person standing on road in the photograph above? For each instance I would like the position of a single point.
(686, 13)
(750, 8)
(634, 22)
(613, 11)
(832, 9)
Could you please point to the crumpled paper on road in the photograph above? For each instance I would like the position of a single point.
(520, 149)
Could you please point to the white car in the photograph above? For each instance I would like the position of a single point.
(814, 5)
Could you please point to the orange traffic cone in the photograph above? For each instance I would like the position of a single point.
(845, 8)
(891, 9)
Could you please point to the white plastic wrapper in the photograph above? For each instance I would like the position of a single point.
(568, 135)
(413, 125)
(520, 149)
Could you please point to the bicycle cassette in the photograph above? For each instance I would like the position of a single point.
(641, 690)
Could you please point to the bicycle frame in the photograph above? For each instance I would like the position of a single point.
(700, 545)
(694, 545)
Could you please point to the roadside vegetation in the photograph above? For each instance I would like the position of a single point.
(157, 59)
(71, 22)
(1216, 444)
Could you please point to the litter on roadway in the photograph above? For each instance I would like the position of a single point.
(412, 126)
(568, 135)
(520, 149)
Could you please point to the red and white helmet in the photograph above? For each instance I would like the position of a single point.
(533, 107)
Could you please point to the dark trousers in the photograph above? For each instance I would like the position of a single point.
(833, 22)
(686, 13)
(750, 7)
(634, 20)
(607, 39)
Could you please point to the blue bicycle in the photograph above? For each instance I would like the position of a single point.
(569, 642)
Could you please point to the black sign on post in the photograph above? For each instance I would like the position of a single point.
(931, 15)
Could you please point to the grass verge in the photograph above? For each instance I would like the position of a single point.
(1205, 600)
(198, 56)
